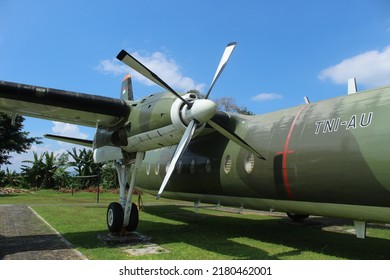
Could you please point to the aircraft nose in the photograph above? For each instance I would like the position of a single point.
(201, 110)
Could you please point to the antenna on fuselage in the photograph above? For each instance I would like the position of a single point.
(352, 86)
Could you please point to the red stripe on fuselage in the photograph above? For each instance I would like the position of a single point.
(286, 152)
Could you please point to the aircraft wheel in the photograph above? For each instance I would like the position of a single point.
(114, 217)
(134, 218)
(297, 217)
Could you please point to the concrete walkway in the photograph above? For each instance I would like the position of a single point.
(26, 236)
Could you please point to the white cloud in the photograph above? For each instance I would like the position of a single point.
(17, 160)
(112, 67)
(266, 97)
(66, 129)
(371, 68)
(59, 128)
(167, 69)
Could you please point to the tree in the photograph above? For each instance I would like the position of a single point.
(227, 104)
(61, 176)
(109, 177)
(9, 179)
(84, 164)
(13, 138)
(49, 168)
(33, 175)
(244, 111)
(46, 171)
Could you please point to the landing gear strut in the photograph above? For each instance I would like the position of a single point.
(123, 216)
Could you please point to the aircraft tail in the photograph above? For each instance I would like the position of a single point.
(127, 88)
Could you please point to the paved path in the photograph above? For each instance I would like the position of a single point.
(26, 236)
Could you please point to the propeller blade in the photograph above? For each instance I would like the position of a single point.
(185, 140)
(233, 137)
(133, 63)
(225, 57)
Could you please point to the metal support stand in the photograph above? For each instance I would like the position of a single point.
(137, 165)
(197, 205)
(360, 228)
(240, 209)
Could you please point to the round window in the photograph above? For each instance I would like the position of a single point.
(157, 168)
(227, 166)
(249, 163)
(208, 166)
(179, 166)
(193, 166)
(148, 169)
(167, 166)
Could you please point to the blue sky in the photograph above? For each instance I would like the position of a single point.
(286, 49)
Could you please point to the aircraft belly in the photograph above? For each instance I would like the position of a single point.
(346, 211)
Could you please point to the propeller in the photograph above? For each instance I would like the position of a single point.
(133, 63)
(185, 140)
(195, 113)
(225, 57)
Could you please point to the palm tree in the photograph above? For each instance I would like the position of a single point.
(84, 165)
(33, 175)
(49, 168)
(41, 172)
(9, 179)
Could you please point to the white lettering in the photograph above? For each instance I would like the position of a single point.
(333, 125)
(318, 126)
(367, 122)
(352, 122)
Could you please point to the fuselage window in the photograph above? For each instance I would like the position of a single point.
(208, 166)
(148, 169)
(167, 166)
(179, 166)
(193, 166)
(249, 163)
(227, 164)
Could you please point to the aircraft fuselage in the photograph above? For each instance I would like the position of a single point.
(329, 158)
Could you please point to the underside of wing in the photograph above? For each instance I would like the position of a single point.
(77, 141)
(59, 105)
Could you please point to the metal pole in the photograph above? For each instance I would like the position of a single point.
(98, 192)
(72, 184)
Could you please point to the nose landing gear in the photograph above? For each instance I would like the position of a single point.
(124, 217)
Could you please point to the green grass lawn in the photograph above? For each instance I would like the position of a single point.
(206, 234)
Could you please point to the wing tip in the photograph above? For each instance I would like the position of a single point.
(121, 55)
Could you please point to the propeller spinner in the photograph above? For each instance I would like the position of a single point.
(196, 112)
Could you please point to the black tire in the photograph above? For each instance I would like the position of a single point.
(297, 217)
(114, 217)
(134, 218)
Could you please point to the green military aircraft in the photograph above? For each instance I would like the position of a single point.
(329, 158)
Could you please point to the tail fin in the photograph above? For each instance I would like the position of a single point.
(127, 88)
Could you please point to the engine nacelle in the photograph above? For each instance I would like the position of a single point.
(167, 135)
(107, 144)
(107, 153)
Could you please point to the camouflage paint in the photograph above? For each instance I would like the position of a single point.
(331, 155)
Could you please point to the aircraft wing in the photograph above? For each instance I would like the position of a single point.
(59, 105)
